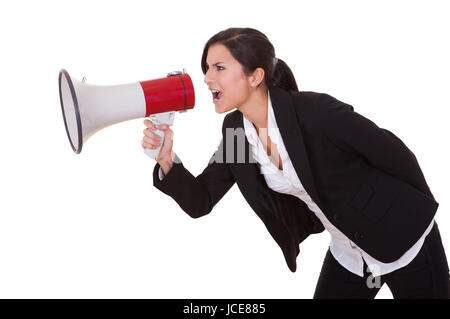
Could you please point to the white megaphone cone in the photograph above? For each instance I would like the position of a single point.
(89, 108)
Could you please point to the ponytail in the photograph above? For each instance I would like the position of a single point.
(282, 77)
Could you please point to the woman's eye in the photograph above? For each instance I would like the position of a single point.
(220, 68)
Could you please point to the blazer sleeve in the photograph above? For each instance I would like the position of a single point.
(196, 195)
(353, 132)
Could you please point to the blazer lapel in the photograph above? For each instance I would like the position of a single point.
(286, 117)
(248, 176)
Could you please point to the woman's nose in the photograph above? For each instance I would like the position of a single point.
(207, 79)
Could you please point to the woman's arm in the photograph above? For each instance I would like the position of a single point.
(381, 148)
(196, 195)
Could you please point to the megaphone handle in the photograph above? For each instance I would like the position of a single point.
(153, 153)
(160, 118)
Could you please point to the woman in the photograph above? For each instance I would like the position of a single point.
(306, 162)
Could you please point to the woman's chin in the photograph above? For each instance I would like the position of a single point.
(222, 109)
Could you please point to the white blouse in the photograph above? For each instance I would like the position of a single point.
(346, 252)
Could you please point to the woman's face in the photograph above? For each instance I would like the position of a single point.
(224, 74)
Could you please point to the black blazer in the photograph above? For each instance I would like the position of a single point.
(363, 178)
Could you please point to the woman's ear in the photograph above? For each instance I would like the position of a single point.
(256, 77)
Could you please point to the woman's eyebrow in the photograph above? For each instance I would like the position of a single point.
(215, 63)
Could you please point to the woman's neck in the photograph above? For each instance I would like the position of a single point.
(256, 108)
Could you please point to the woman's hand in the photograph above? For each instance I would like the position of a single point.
(151, 140)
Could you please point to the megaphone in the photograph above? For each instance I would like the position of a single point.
(88, 108)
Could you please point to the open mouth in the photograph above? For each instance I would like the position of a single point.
(216, 95)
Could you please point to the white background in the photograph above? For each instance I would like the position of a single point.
(93, 226)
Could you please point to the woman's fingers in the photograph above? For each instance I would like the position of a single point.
(148, 145)
(162, 127)
(152, 140)
(151, 134)
(149, 123)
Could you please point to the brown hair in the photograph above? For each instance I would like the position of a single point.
(252, 49)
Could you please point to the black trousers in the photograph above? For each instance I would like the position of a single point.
(426, 276)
